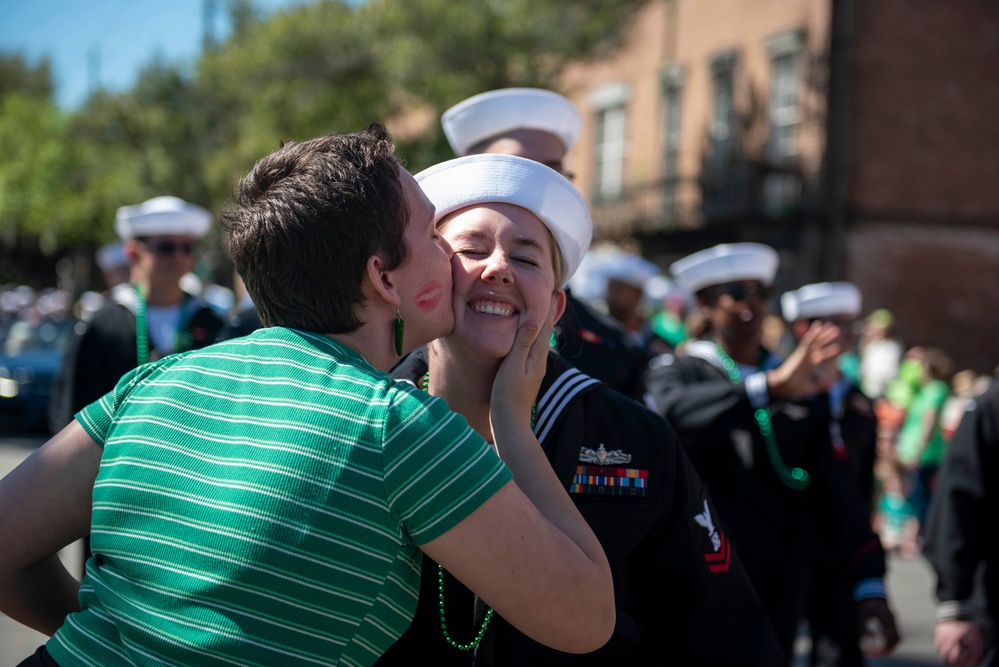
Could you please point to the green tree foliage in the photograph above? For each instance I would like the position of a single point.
(18, 76)
(303, 72)
(440, 51)
(134, 145)
(36, 160)
(310, 69)
(32, 167)
(445, 50)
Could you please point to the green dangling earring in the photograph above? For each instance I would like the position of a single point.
(400, 327)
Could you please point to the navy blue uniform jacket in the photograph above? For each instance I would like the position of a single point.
(683, 597)
(769, 522)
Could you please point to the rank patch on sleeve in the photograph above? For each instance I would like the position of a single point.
(601, 480)
(709, 540)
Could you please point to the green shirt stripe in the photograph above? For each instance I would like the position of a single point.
(260, 502)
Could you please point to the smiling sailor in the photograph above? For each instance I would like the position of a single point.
(543, 126)
(519, 230)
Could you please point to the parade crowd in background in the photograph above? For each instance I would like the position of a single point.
(919, 397)
(717, 403)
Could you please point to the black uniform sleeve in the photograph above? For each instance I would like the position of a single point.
(692, 402)
(696, 590)
(94, 362)
(704, 407)
(600, 347)
(242, 323)
(863, 459)
(956, 532)
(857, 430)
(840, 507)
(205, 328)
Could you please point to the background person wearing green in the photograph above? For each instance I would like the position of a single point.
(921, 445)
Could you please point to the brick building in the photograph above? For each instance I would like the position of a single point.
(858, 138)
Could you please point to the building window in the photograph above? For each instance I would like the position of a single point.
(672, 85)
(782, 188)
(610, 151)
(723, 128)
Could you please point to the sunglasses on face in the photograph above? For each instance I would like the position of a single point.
(841, 322)
(165, 248)
(739, 291)
(847, 325)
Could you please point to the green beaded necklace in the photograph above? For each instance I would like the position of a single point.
(182, 339)
(795, 478)
(470, 646)
(141, 328)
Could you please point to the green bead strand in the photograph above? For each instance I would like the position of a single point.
(141, 326)
(794, 478)
(472, 645)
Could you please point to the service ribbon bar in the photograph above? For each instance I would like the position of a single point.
(600, 480)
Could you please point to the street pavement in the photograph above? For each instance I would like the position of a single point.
(910, 590)
(910, 585)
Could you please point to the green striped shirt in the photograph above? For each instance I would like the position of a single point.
(259, 502)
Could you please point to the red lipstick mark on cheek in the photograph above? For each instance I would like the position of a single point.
(428, 298)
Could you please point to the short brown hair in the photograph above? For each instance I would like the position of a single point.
(305, 221)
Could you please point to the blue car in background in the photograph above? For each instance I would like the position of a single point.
(31, 353)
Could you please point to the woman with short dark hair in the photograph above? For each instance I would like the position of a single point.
(265, 501)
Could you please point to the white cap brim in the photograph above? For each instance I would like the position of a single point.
(498, 111)
(821, 300)
(629, 269)
(483, 179)
(162, 216)
(111, 256)
(726, 263)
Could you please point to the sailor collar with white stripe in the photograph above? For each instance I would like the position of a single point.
(562, 384)
(567, 383)
(708, 351)
(124, 294)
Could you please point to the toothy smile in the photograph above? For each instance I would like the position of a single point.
(493, 308)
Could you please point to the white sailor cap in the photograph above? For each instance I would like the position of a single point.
(162, 216)
(629, 269)
(111, 256)
(589, 282)
(821, 300)
(493, 178)
(660, 289)
(726, 263)
(488, 114)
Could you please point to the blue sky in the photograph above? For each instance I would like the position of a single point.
(107, 40)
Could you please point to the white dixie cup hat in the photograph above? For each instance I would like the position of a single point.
(493, 178)
(489, 114)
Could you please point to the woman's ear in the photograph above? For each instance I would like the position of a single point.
(560, 302)
(382, 282)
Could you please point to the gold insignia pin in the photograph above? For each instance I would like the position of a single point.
(602, 457)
